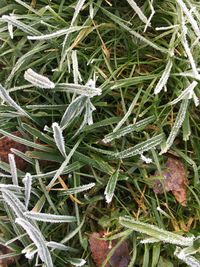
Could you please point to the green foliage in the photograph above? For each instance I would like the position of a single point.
(91, 86)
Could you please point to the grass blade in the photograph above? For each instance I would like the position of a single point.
(38, 240)
(38, 80)
(141, 147)
(59, 139)
(177, 125)
(110, 188)
(5, 96)
(77, 189)
(56, 34)
(27, 185)
(156, 232)
(13, 169)
(45, 217)
(138, 126)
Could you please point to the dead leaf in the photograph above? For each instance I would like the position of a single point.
(101, 248)
(7, 261)
(174, 178)
(6, 144)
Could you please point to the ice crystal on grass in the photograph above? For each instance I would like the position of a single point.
(188, 259)
(156, 232)
(5, 97)
(190, 17)
(76, 73)
(141, 147)
(38, 80)
(188, 51)
(12, 19)
(110, 188)
(45, 217)
(38, 240)
(138, 11)
(59, 139)
(56, 34)
(13, 169)
(176, 127)
(186, 93)
(28, 186)
(164, 78)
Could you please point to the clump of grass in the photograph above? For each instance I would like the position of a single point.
(100, 91)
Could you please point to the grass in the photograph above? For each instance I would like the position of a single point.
(116, 87)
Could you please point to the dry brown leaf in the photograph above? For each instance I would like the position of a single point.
(174, 179)
(101, 248)
(7, 261)
(6, 144)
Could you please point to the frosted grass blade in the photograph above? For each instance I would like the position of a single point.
(188, 52)
(76, 73)
(14, 203)
(134, 33)
(156, 232)
(128, 129)
(79, 89)
(59, 139)
(38, 80)
(45, 217)
(189, 17)
(13, 169)
(12, 19)
(185, 93)
(137, 10)
(128, 113)
(63, 165)
(78, 8)
(27, 186)
(5, 97)
(10, 30)
(177, 125)
(38, 239)
(59, 246)
(110, 188)
(56, 34)
(188, 259)
(164, 78)
(73, 110)
(77, 189)
(25, 142)
(141, 147)
(76, 262)
(22, 59)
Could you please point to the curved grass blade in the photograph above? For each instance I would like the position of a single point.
(45, 217)
(138, 126)
(56, 34)
(59, 139)
(177, 125)
(38, 80)
(59, 246)
(74, 109)
(84, 90)
(38, 239)
(156, 232)
(110, 188)
(5, 97)
(77, 189)
(141, 147)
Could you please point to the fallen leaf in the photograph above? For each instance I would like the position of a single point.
(6, 144)
(7, 261)
(101, 248)
(174, 178)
